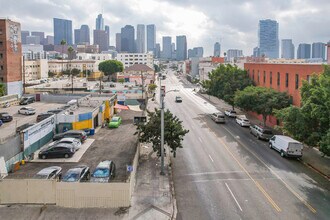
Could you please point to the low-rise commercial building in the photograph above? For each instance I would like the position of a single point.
(140, 74)
(57, 66)
(35, 69)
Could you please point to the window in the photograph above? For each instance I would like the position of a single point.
(297, 81)
(264, 77)
(1, 43)
(258, 76)
(278, 78)
(308, 78)
(287, 80)
(1, 55)
(253, 75)
(0, 31)
(270, 78)
(1, 67)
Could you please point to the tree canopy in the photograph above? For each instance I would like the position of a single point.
(150, 132)
(311, 122)
(261, 100)
(225, 81)
(110, 67)
(2, 89)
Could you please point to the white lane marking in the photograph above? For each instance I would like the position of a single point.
(200, 139)
(215, 172)
(234, 197)
(211, 158)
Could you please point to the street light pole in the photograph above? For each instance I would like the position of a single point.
(162, 94)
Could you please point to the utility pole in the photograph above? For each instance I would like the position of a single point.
(162, 95)
(23, 77)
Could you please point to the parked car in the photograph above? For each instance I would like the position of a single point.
(79, 134)
(53, 172)
(43, 116)
(242, 121)
(178, 99)
(5, 117)
(57, 151)
(27, 100)
(115, 122)
(79, 173)
(64, 107)
(55, 111)
(1, 123)
(261, 132)
(230, 113)
(286, 146)
(27, 111)
(74, 142)
(24, 126)
(104, 172)
(218, 117)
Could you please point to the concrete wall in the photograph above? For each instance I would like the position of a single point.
(10, 148)
(59, 98)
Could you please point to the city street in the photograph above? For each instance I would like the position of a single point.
(223, 172)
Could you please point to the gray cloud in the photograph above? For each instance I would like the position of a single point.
(235, 22)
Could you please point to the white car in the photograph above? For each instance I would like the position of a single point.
(53, 172)
(242, 121)
(76, 143)
(230, 113)
(27, 111)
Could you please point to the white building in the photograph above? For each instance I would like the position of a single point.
(55, 66)
(94, 56)
(129, 59)
(35, 69)
(34, 52)
(233, 55)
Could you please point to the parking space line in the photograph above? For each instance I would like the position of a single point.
(211, 158)
(200, 140)
(232, 194)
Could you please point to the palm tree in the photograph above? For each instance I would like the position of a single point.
(70, 50)
(63, 42)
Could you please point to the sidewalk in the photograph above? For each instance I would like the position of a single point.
(153, 196)
(312, 157)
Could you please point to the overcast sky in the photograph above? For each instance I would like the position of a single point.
(234, 23)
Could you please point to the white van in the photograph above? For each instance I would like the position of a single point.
(286, 146)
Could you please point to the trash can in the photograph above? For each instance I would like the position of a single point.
(92, 131)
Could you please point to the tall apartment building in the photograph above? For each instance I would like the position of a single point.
(318, 50)
(118, 42)
(181, 47)
(151, 38)
(24, 35)
(100, 38)
(287, 49)
(99, 22)
(217, 49)
(167, 48)
(268, 38)
(140, 38)
(62, 31)
(129, 59)
(128, 39)
(304, 51)
(11, 56)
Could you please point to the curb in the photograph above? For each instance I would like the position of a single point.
(175, 210)
(316, 170)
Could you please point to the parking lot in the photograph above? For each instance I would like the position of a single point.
(118, 145)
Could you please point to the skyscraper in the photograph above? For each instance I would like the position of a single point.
(287, 49)
(167, 47)
(84, 34)
(118, 42)
(140, 38)
(49, 40)
(76, 36)
(41, 36)
(318, 50)
(181, 47)
(24, 35)
(107, 30)
(233, 54)
(99, 22)
(157, 51)
(268, 38)
(100, 38)
(217, 49)
(62, 31)
(151, 37)
(127, 39)
(304, 51)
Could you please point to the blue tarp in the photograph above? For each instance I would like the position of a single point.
(86, 116)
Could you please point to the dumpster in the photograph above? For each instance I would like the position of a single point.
(92, 131)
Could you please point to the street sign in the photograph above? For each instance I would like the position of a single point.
(162, 91)
(129, 168)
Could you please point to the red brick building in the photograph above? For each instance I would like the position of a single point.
(328, 52)
(282, 77)
(11, 56)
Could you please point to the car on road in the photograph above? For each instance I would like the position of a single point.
(27, 111)
(242, 121)
(230, 113)
(178, 99)
(53, 172)
(115, 122)
(79, 134)
(261, 132)
(218, 117)
(57, 151)
(5, 117)
(79, 173)
(27, 100)
(287, 146)
(74, 142)
(104, 172)
(43, 116)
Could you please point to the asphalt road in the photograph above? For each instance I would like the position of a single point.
(223, 172)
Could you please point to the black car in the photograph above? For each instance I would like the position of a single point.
(79, 134)
(27, 100)
(57, 151)
(55, 111)
(79, 173)
(43, 116)
(24, 126)
(5, 117)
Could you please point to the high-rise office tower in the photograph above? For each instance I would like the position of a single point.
(49, 40)
(191, 53)
(107, 30)
(318, 50)
(24, 35)
(41, 36)
(32, 40)
(181, 47)
(157, 51)
(118, 42)
(304, 51)
(287, 49)
(217, 49)
(62, 31)
(99, 22)
(268, 38)
(256, 52)
(328, 52)
(127, 39)
(233, 54)
(84, 34)
(167, 47)
(140, 38)
(76, 36)
(151, 37)
(100, 38)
